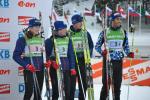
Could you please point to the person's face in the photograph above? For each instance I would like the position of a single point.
(62, 32)
(78, 25)
(35, 30)
(116, 22)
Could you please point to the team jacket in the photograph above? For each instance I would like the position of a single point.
(34, 56)
(64, 49)
(117, 42)
(77, 37)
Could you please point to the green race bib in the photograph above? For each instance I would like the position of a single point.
(34, 47)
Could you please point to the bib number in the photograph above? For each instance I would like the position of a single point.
(62, 51)
(79, 46)
(115, 44)
(34, 50)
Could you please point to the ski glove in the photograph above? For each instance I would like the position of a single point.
(31, 68)
(104, 53)
(131, 55)
(73, 72)
(55, 65)
(48, 64)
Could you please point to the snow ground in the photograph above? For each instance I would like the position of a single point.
(135, 92)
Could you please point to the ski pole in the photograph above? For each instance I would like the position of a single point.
(88, 63)
(109, 71)
(77, 62)
(78, 69)
(44, 59)
(131, 59)
(107, 76)
(59, 72)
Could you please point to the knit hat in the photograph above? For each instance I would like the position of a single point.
(76, 19)
(34, 22)
(114, 16)
(59, 25)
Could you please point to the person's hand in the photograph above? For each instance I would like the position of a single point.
(104, 53)
(131, 55)
(73, 72)
(48, 64)
(55, 65)
(31, 68)
(22, 55)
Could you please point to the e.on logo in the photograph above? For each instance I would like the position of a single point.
(4, 20)
(4, 72)
(26, 4)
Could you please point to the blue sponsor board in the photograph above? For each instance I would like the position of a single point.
(4, 54)
(4, 4)
(21, 88)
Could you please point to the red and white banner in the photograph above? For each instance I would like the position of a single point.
(135, 72)
(4, 37)
(4, 88)
(88, 12)
(132, 12)
(121, 11)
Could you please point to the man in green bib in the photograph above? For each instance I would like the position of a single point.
(78, 36)
(59, 51)
(28, 54)
(115, 42)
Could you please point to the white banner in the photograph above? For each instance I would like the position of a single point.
(14, 16)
